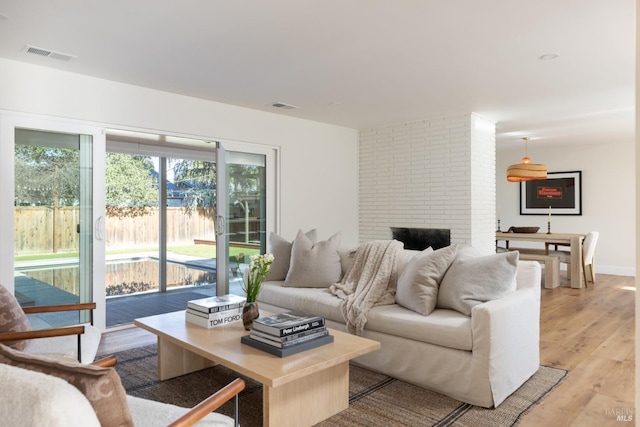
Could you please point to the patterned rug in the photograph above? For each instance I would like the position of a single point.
(374, 399)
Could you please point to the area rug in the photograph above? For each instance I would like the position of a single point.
(374, 399)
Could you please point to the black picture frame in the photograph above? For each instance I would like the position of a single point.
(559, 194)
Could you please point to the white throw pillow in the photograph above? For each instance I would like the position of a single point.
(472, 281)
(404, 258)
(347, 255)
(314, 266)
(281, 250)
(418, 284)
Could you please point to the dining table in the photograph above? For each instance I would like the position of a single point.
(573, 240)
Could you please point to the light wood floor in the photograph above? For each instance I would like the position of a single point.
(590, 332)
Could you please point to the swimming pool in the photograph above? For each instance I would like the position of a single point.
(124, 276)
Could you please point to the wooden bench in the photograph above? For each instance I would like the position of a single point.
(551, 266)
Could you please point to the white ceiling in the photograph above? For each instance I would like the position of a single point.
(360, 63)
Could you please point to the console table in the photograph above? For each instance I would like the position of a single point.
(570, 239)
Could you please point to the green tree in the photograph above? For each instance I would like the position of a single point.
(196, 179)
(46, 176)
(130, 181)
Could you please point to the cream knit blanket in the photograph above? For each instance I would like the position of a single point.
(370, 281)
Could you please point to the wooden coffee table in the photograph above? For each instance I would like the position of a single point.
(299, 390)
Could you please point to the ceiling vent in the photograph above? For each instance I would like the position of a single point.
(284, 106)
(48, 53)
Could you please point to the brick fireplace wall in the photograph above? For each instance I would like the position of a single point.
(435, 173)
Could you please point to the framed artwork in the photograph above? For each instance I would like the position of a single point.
(559, 194)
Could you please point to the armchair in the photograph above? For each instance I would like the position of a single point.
(38, 391)
(78, 342)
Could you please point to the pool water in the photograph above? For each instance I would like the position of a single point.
(125, 277)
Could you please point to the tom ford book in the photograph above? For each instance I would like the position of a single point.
(216, 303)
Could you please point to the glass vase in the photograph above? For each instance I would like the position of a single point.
(250, 312)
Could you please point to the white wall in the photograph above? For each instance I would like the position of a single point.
(435, 173)
(318, 169)
(608, 198)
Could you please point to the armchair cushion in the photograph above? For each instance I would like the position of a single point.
(66, 347)
(149, 413)
(101, 386)
(12, 318)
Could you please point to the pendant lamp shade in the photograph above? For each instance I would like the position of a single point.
(526, 171)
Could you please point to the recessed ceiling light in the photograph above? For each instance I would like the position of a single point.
(284, 106)
(548, 56)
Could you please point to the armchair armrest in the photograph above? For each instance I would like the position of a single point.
(212, 403)
(107, 362)
(60, 307)
(41, 333)
(77, 330)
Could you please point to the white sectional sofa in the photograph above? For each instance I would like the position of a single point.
(479, 359)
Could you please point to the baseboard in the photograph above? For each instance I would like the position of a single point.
(610, 269)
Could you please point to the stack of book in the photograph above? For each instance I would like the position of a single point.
(215, 311)
(288, 333)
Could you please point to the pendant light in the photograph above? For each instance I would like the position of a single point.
(526, 171)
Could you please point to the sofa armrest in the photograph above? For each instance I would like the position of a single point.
(529, 274)
(506, 334)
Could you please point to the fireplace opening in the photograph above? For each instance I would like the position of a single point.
(421, 238)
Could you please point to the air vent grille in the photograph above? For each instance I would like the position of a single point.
(284, 106)
(48, 53)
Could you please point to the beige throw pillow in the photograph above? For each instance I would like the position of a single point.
(472, 281)
(419, 282)
(314, 265)
(101, 386)
(281, 250)
(12, 318)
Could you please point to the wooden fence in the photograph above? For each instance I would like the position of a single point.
(43, 230)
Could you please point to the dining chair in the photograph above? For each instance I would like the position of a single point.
(588, 255)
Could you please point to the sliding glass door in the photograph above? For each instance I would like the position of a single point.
(181, 215)
(245, 211)
(49, 225)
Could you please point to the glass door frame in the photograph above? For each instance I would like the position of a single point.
(9, 121)
(272, 224)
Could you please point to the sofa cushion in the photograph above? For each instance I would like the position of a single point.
(475, 280)
(446, 328)
(34, 399)
(281, 250)
(314, 265)
(101, 386)
(318, 301)
(12, 318)
(418, 284)
(442, 327)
